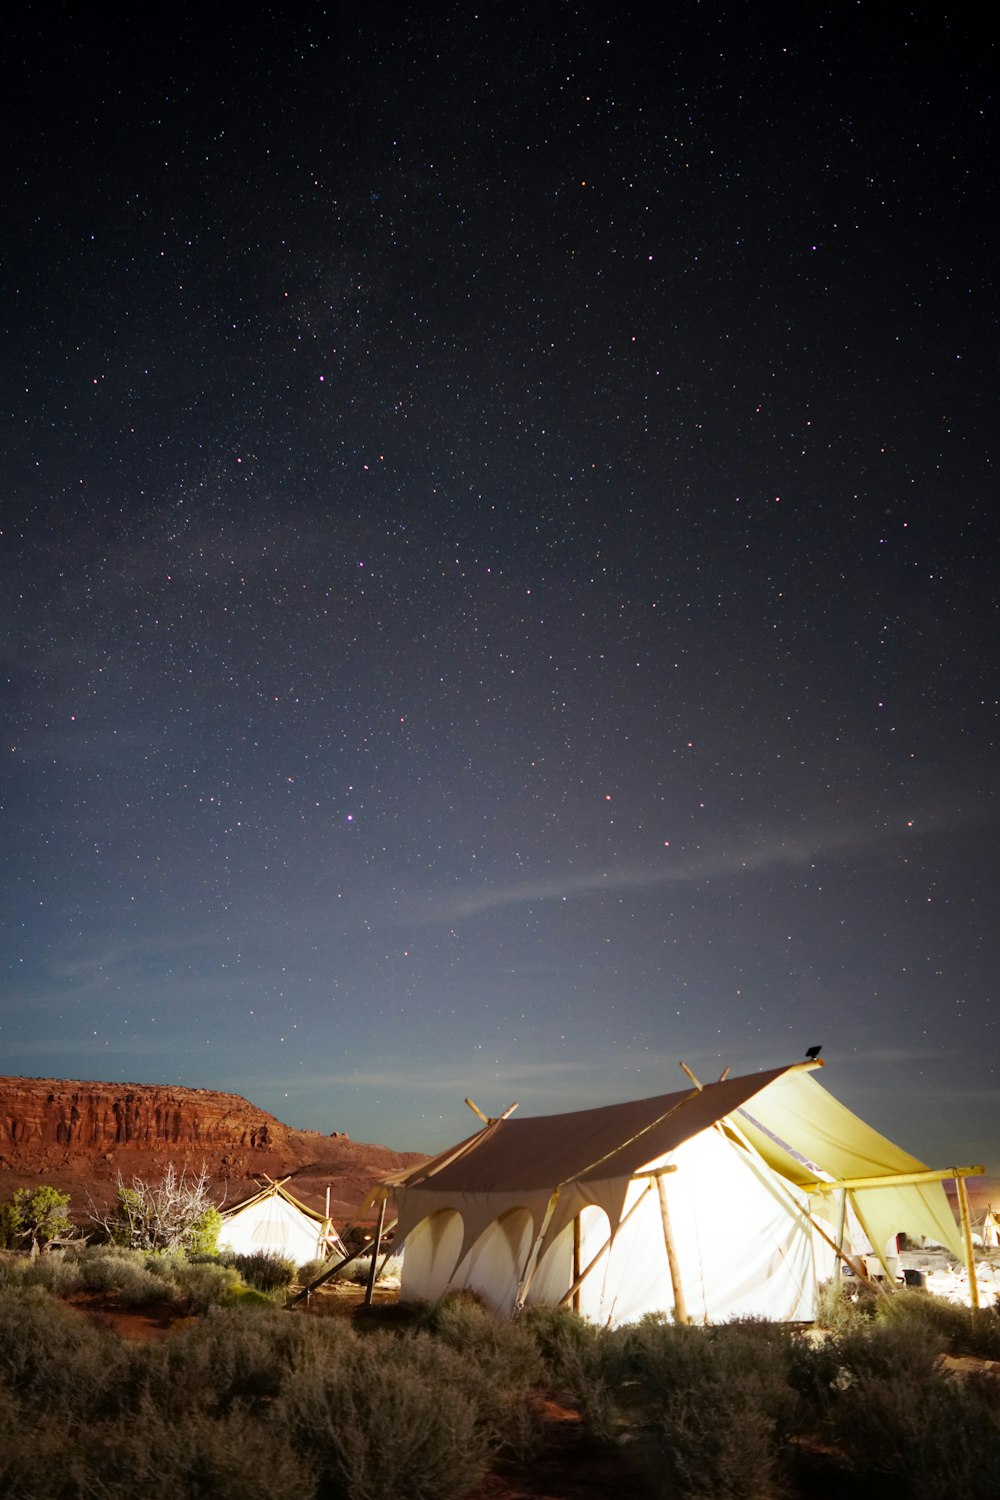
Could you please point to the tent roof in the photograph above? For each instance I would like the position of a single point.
(800, 1130)
(275, 1190)
(615, 1140)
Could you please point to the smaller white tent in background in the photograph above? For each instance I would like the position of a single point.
(276, 1223)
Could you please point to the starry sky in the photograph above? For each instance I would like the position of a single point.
(499, 557)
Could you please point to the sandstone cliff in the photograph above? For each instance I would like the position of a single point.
(38, 1114)
(80, 1136)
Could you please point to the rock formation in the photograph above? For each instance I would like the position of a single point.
(39, 1114)
(81, 1136)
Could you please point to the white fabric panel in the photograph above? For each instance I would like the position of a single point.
(431, 1255)
(554, 1275)
(743, 1250)
(274, 1226)
(478, 1210)
(493, 1266)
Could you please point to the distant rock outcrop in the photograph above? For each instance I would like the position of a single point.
(39, 1114)
(80, 1136)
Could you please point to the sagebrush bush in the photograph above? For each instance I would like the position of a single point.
(965, 1330)
(125, 1273)
(237, 1455)
(198, 1286)
(501, 1360)
(51, 1356)
(264, 1270)
(847, 1302)
(56, 1273)
(580, 1363)
(357, 1271)
(883, 1351)
(38, 1452)
(229, 1358)
(307, 1274)
(379, 1426)
(933, 1439)
(710, 1409)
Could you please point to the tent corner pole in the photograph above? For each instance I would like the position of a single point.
(376, 1245)
(970, 1258)
(680, 1305)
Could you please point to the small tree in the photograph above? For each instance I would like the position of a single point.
(34, 1217)
(10, 1227)
(204, 1236)
(175, 1213)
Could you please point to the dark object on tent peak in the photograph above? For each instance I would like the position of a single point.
(813, 1052)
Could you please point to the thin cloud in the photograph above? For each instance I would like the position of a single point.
(685, 870)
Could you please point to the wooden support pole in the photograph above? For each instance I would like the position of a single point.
(370, 1288)
(894, 1179)
(680, 1306)
(576, 1263)
(970, 1259)
(840, 1232)
(329, 1271)
(571, 1291)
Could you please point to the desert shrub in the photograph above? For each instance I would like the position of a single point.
(197, 1286)
(934, 1440)
(308, 1273)
(507, 1350)
(265, 1270)
(55, 1273)
(203, 1236)
(847, 1302)
(50, 1356)
(38, 1457)
(707, 1410)
(883, 1351)
(228, 1359)
(357, 1271)
(385, 1426)
(579, 1360)
(126, 1274)
(982, 1337)
(965, 1330)
(235, 1456)
(501, 1360)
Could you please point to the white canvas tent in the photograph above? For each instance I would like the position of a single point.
(712, 1203)
(276, 1222)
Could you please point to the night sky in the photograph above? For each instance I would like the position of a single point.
(500, 557)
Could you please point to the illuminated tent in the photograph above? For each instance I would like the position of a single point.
(715, 1202)
(275, 1222)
